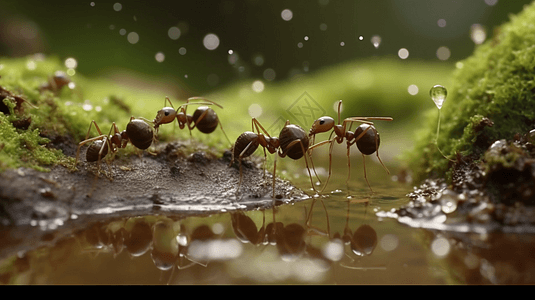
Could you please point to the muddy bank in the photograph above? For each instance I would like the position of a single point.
(168, 182)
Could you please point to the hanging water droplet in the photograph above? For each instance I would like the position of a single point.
(438, 93)
(376, 41)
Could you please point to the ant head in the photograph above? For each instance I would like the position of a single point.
(322, 124)
(164, 116)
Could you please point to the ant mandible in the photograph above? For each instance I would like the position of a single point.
(137, 132)
(204, 118)
(292, 142)
(366, 137)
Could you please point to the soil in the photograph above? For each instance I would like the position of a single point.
(37, 206)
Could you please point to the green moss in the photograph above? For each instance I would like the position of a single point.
(376, 87)
(497, 82)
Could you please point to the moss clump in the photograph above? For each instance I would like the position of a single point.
(492, 96)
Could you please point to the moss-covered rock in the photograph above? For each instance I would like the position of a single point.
(491, 97)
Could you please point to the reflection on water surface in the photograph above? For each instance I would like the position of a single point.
(329, 240)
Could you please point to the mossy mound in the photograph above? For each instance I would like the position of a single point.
(492, 97)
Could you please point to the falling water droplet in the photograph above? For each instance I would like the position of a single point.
(287, 15)
(376, 41)
(438, 94)
(211, 41)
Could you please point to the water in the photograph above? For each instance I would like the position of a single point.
(327, 240)
(341, 238)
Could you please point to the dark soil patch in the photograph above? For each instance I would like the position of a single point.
(35, 205)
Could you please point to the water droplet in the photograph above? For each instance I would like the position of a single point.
(306, 38)
(491, 2)
(255, 110)
(323, 26)
(403, 53)
(299, 45)
(443, 53)
(133, 37)
(438, 94)
(92, 3)
(342, 44)
(287, 15)
(117, 6)
(233, 58)
(448, 201)
(440, 246)
(258, 86)
(182, 51)
(71, 63)
(230, 51)
(361, 38)
(413, 89)
(269, 74)
(174, 33)
(478, 34)
(160, 57)
(376, 41)
(258, 60)
(211, 41)
(441, 23)
(122, 31)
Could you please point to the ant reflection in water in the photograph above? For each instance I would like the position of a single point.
(204, 118)
(366, 138)
(292, 142)
(362, 241)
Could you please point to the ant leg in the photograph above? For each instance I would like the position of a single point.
(348, 167)
(377, 152)
(240, 157)
(274, 177)
(331, 141)
(283, 154)
(257, 125)
(365, 176)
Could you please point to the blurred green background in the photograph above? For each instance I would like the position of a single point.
(259, 58)
(97, 33)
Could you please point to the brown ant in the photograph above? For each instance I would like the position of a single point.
(366, 137)
(292, 142)
(137, 132)
(204, 118)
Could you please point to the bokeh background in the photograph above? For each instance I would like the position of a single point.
(270, 40)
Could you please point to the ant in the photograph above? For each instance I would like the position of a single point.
(366, 137)
(204, 118)
(292, 142)
(137, 132)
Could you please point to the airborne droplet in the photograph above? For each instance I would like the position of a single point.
(438, 93)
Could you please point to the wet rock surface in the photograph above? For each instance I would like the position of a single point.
(33, 204)
(487, 213)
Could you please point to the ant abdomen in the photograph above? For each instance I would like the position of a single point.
(94, 149)
(209, 122)
(289, 134)
(369, 142)
(243, 141)
(140, 133)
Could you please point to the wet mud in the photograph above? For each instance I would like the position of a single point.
(37, 207)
